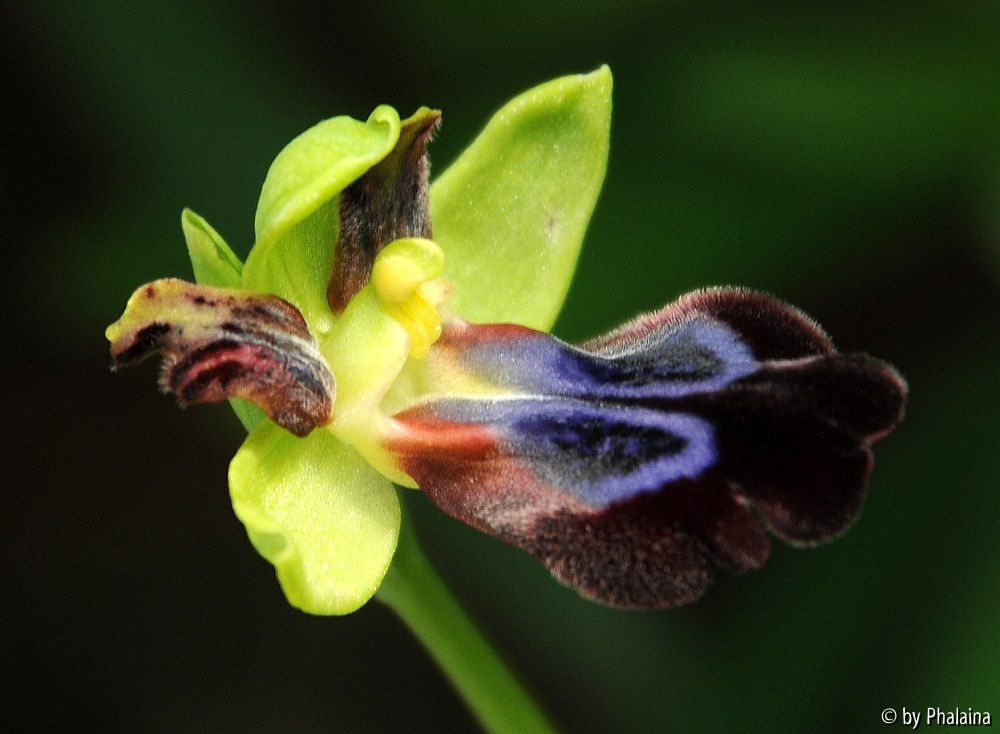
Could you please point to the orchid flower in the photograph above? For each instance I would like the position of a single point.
(383, 330)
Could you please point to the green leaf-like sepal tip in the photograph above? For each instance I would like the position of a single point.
(318, 164)
(213, 261)
(317, 511)
(511, 212)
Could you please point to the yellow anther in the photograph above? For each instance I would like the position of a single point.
(422, 322)
(396, 277)
(405, 278)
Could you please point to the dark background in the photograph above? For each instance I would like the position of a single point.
(846, 158)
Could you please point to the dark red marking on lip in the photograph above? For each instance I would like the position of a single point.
(684, 534)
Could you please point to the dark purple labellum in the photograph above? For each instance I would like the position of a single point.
(635, 466)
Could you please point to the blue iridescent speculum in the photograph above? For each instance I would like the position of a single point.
(632, 466)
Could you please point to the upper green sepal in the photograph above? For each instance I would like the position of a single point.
(298, 216)
(319, 164)
(511, 212)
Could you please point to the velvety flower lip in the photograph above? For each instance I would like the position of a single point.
(637, 465)
(398, 328)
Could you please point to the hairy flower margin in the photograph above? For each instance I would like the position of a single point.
(386, 330)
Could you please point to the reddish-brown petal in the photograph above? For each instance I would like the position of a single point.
(220, 343)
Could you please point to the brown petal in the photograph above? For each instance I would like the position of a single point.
(220, 343)
(388, 202)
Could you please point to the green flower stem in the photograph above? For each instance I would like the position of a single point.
(414, 590)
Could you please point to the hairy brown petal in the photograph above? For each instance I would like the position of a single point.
(388, 202)
(221, 343)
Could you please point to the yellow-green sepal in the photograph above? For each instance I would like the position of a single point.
(511, 212)
(318, 164)
(319, 513)
(215, 263)
(297, 219)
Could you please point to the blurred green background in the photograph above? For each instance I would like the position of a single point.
(845, 157)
